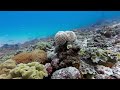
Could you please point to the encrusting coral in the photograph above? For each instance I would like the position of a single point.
(99, 56)
(33, 70)
(36, 55)
(42, 45)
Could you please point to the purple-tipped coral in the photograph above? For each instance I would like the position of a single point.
(48, 68)
(55, 63)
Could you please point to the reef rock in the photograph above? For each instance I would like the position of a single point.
(104, 70)
(87, 70)
(116, 70)
(66, 73)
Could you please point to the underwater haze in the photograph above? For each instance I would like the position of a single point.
(21, 26)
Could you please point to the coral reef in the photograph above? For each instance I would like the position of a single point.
(84, 53)
(32, 70)
(36, 55)
(66, 73)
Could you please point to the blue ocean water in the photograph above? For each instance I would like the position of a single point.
(20, 26)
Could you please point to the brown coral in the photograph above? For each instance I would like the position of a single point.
(39, 56)
(22, 58)
(108, 64)
(36, 55)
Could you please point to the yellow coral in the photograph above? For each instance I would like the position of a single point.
(118, 56)
(6, 66)
(32, 70)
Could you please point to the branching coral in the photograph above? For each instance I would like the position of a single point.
(32, 70)
(36, 55)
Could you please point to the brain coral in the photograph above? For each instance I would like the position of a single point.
(32, 70)
(65, 36)
(36, 55)
(71, 36)
(60, 38)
